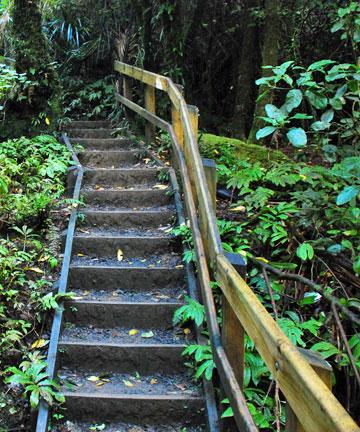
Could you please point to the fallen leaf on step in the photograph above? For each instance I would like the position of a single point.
(180, 266)
(99, 384)
(143, 260)
(80, 255)
(133, 332)
(160, 186)
(153, 381)
(147, 335)
(238, 209)
(147, 160)
(93, 378)
(114, 294)
(128, 383)
(181, 387)
(120, 255)
(39, 343)
(36, 270)
(85, 293)
(186, 331)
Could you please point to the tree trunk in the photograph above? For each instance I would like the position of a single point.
(270, 56)
(32, 57)
(248, 66)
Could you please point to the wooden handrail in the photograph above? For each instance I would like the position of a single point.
(314, 405)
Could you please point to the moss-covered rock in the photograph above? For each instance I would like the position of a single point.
(213, 146)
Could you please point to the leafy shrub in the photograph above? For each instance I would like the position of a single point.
(32, 172)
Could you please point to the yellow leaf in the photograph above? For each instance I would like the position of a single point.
(36, 270)
(80, 255)
(238, 209)
(302, 176)
(47, 121)
(243, 253)
(93, 378)
(133, 332)
(99, 384)
(262, 259)
(147, 160)
(186, 331)
(128, 383)
(153, 381)
(86, 293)
(120, 255)
(160, 186)
(180, 266)
(39, 343)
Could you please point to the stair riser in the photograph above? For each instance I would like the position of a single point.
(136, 220)
(132, 247)
(121, 178)
(103, 159)
(103, 144)
(92, 133)
(123, 359)
(88, 124)
(136, 280)
(148, 316)
(127, 199)
(148, 411)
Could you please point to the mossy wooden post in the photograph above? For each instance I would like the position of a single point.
(176, 121)
(150, 105)
(194, 119)
(324, 370)
(127, 90)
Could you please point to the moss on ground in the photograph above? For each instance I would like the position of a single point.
(212, 145)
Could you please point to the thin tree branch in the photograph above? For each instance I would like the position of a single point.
(346, 343)
(308, 282)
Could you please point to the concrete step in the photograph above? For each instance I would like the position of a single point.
(93, 133)
(103, 143)
(155, 408)
(89, 124)
(105, 244)
(121, 177)
(139, 198)
(124, 219)
(123, 356)
(101, 313)
(108, 158)
(169, 426)
(134, 279)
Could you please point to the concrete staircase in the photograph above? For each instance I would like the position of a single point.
(119, 356)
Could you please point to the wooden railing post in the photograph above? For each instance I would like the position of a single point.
(150, 105)
(211, 179)
(324, 370)
(176, 121)
(127, 88)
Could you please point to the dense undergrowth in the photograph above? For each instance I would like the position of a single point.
(32, 174)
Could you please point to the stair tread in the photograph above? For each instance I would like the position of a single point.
(164, 295)
(123, 385)
(130, 427)
(152, 234)
(168, 260)
(120, 335)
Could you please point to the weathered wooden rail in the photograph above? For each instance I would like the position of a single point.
(304, 381)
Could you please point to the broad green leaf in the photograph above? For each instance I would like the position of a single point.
(297, 137)
(326, 349)
(347, 194)
(316, 99)
(327, 116)
(275, 113)
(305, 251)
(319, 65)
(293, 100)
(356, 265)
(267, 130)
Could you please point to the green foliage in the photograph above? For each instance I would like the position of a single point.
(92, 101)
(35, 381)
(192, 310)
(326, 99)
(31, 177)
(203, 360)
